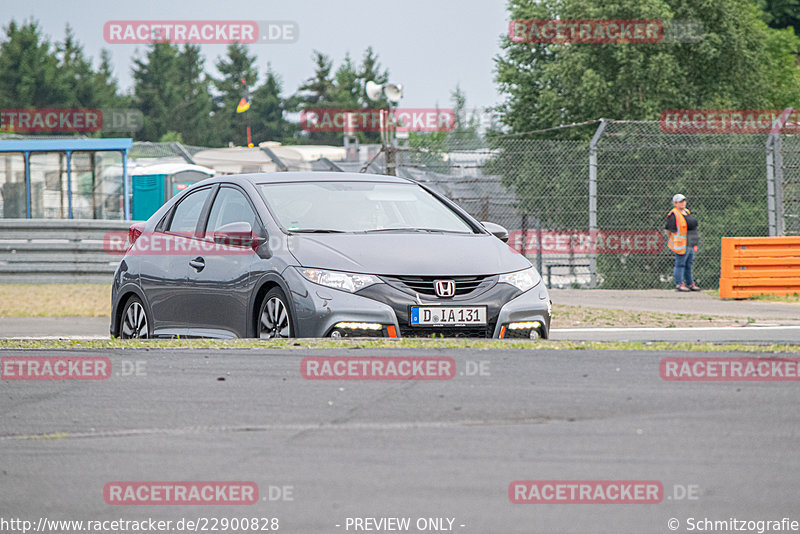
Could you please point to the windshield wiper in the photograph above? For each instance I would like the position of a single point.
(316, 231)
(411, 229)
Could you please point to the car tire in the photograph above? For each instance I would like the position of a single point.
(134, 323)
(274, 320)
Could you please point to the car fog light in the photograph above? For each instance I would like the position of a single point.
(359, 326)
(524, 326)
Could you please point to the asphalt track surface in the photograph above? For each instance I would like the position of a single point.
(760, 333)
(440, 448)
(661, 301)
(765, 322)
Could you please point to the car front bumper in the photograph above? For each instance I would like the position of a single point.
(320, 310)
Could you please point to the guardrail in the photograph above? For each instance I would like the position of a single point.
(759, 266)
(57, 250)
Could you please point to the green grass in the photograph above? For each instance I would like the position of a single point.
(792, 299)
(94, 300)
(386, 344)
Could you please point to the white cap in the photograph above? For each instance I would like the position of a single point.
(678, 198)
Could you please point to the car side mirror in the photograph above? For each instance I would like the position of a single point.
(496, 230)
(237, 234)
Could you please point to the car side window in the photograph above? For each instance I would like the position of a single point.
(231, 206)
(187, 212)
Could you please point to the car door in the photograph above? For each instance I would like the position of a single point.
(165, 262)
(220, 284)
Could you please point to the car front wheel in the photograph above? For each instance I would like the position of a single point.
(274, 319)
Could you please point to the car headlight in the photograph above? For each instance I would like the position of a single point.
(522, 280)
(338, 280)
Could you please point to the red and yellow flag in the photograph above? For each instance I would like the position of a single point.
(244, 103)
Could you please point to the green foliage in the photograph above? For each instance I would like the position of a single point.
(267, 109)
(171, 90)
(171, 137)
(430, 148)
(37, 73)
(176, 96)
(739, 63)
(341, 89)
(782, 13)
(237, 65)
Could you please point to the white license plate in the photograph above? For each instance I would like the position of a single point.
(447, 315)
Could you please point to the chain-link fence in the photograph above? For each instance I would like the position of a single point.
(788, 183)
(586, 204)
(590, 213)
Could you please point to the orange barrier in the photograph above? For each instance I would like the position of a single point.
(759, 265)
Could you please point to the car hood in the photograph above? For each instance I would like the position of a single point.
(407, 254)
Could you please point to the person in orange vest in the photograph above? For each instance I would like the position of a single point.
(682, 239)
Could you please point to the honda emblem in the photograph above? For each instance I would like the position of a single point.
(444, 288)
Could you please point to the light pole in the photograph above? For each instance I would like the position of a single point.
(393, 93)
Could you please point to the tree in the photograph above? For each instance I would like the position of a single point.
(237, 66)
(318, 89)
(156, 89)
(782, 13)
(550, 84)
(370, 70)
(739, 63)
(347, 87)
(29, 75)
(318, 92)
(465, 134)
(37, 73)
(106, 86)
(171, 90)
(268, 109)
(192, 114)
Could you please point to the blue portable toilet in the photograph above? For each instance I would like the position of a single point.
(153, 185)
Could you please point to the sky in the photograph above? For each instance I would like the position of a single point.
(429, 46)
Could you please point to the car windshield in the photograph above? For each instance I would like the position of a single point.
(359, 207)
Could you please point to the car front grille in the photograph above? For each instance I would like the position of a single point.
(424, 284)
(482, 331)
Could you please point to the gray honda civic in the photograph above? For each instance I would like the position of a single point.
(322, 255)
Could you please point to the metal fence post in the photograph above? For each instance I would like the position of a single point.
(770, 147)
(593, 198)
(777, 154)
(775, 175)
(126, 188)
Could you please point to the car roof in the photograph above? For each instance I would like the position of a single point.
(275, 177)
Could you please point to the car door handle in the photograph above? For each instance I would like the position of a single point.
(198, 263)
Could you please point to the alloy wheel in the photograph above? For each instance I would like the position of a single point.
(274, 319)
(134, 322)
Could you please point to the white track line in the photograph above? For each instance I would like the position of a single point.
(677, 329)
